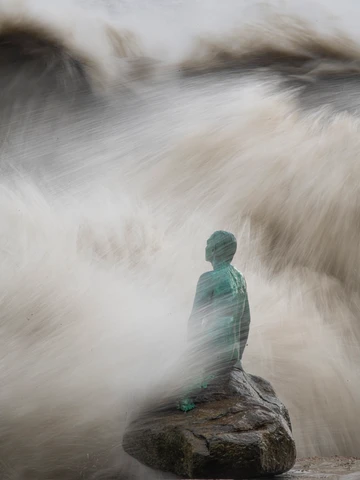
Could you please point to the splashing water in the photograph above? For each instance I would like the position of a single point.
(129, 133)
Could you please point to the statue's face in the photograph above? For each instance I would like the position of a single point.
(209, 251)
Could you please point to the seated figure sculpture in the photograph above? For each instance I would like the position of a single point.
(218, 327)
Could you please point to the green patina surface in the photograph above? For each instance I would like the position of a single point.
(220, 319)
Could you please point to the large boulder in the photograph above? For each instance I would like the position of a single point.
(239, 429)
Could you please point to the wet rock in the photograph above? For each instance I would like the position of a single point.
(239, 429)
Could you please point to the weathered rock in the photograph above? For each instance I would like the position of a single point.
(239, 429)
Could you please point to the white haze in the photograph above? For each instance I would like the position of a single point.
(107, 200)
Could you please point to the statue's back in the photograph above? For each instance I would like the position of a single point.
(229, 288)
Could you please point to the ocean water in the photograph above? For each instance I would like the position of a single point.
(130, 131)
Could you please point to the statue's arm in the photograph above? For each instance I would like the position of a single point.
(201, 304)
(245, 326)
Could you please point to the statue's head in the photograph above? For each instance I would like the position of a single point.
(220, 247)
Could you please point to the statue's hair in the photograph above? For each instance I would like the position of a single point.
(224, 244)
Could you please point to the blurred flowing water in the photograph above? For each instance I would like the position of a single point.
(164, 122)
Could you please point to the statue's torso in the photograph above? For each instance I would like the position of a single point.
(221, 327)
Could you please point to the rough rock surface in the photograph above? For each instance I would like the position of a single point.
(239, 429)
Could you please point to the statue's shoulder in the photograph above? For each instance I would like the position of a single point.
(206, 277)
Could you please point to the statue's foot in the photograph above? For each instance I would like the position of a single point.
(186, 405)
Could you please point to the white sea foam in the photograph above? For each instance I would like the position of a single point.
(105, 210)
